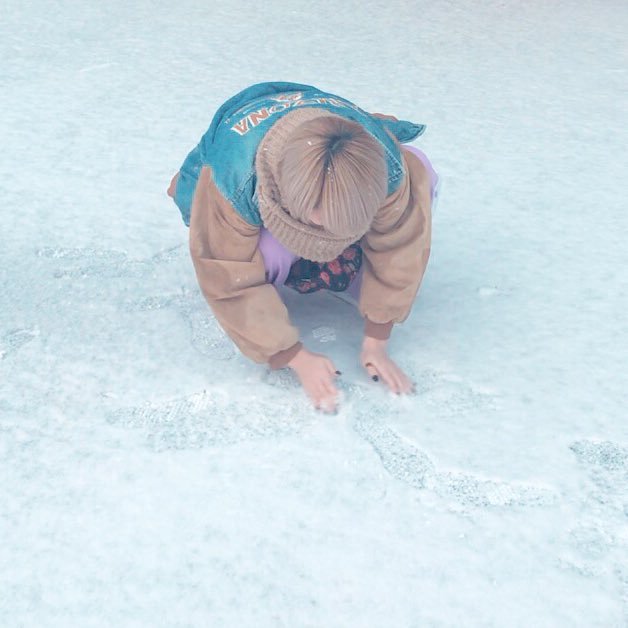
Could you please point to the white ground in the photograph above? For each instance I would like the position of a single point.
(151, 476)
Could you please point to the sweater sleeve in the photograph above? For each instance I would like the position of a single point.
(230, 270)
(396, 251)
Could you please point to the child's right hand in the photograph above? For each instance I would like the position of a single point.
(317, 374)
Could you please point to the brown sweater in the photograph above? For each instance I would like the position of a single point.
(230, 268)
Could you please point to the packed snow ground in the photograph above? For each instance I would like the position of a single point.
(151, 476)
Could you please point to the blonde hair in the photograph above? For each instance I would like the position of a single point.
(334, 165)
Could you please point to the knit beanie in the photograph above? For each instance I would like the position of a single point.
(311, 242)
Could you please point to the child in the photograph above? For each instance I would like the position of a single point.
(292, 185)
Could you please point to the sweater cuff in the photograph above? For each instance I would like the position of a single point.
(281, 358)
(379, 331)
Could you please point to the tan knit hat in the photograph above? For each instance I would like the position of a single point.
(308, 241)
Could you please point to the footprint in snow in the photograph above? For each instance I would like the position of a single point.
(406, 462)
(409, 464)
(103, 263)
(399, 457)
(212, 418)
(449, 395)
(622, 576)
(207, 336)
(14, 339)
(606, 464)
(602, 457)
(599, 541)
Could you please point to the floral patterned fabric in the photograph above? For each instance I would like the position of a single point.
(306, 276)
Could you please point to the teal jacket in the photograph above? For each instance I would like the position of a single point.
(230, 144)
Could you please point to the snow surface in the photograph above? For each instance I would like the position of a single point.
(151, 476)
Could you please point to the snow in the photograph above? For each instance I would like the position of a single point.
(151, 476)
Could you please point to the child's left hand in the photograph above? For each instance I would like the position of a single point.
(375, 360)
(172, 188)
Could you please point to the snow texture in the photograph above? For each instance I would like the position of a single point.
(152, 476)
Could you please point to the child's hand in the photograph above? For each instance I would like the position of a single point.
(172, 188)
(316, 374)
(375, 360)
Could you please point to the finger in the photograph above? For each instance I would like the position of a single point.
(330, 389)
(391, 382)
(327, 403)
(385, 373)
(325, 388)
(372, 371)
(391, 375)
(398, 377)
(328, 392)
(317, 400)
(331, 369)
(388, 375)
(317, 395)
(403, 381)
(314, 400)
(406, 384)
(330, 406)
